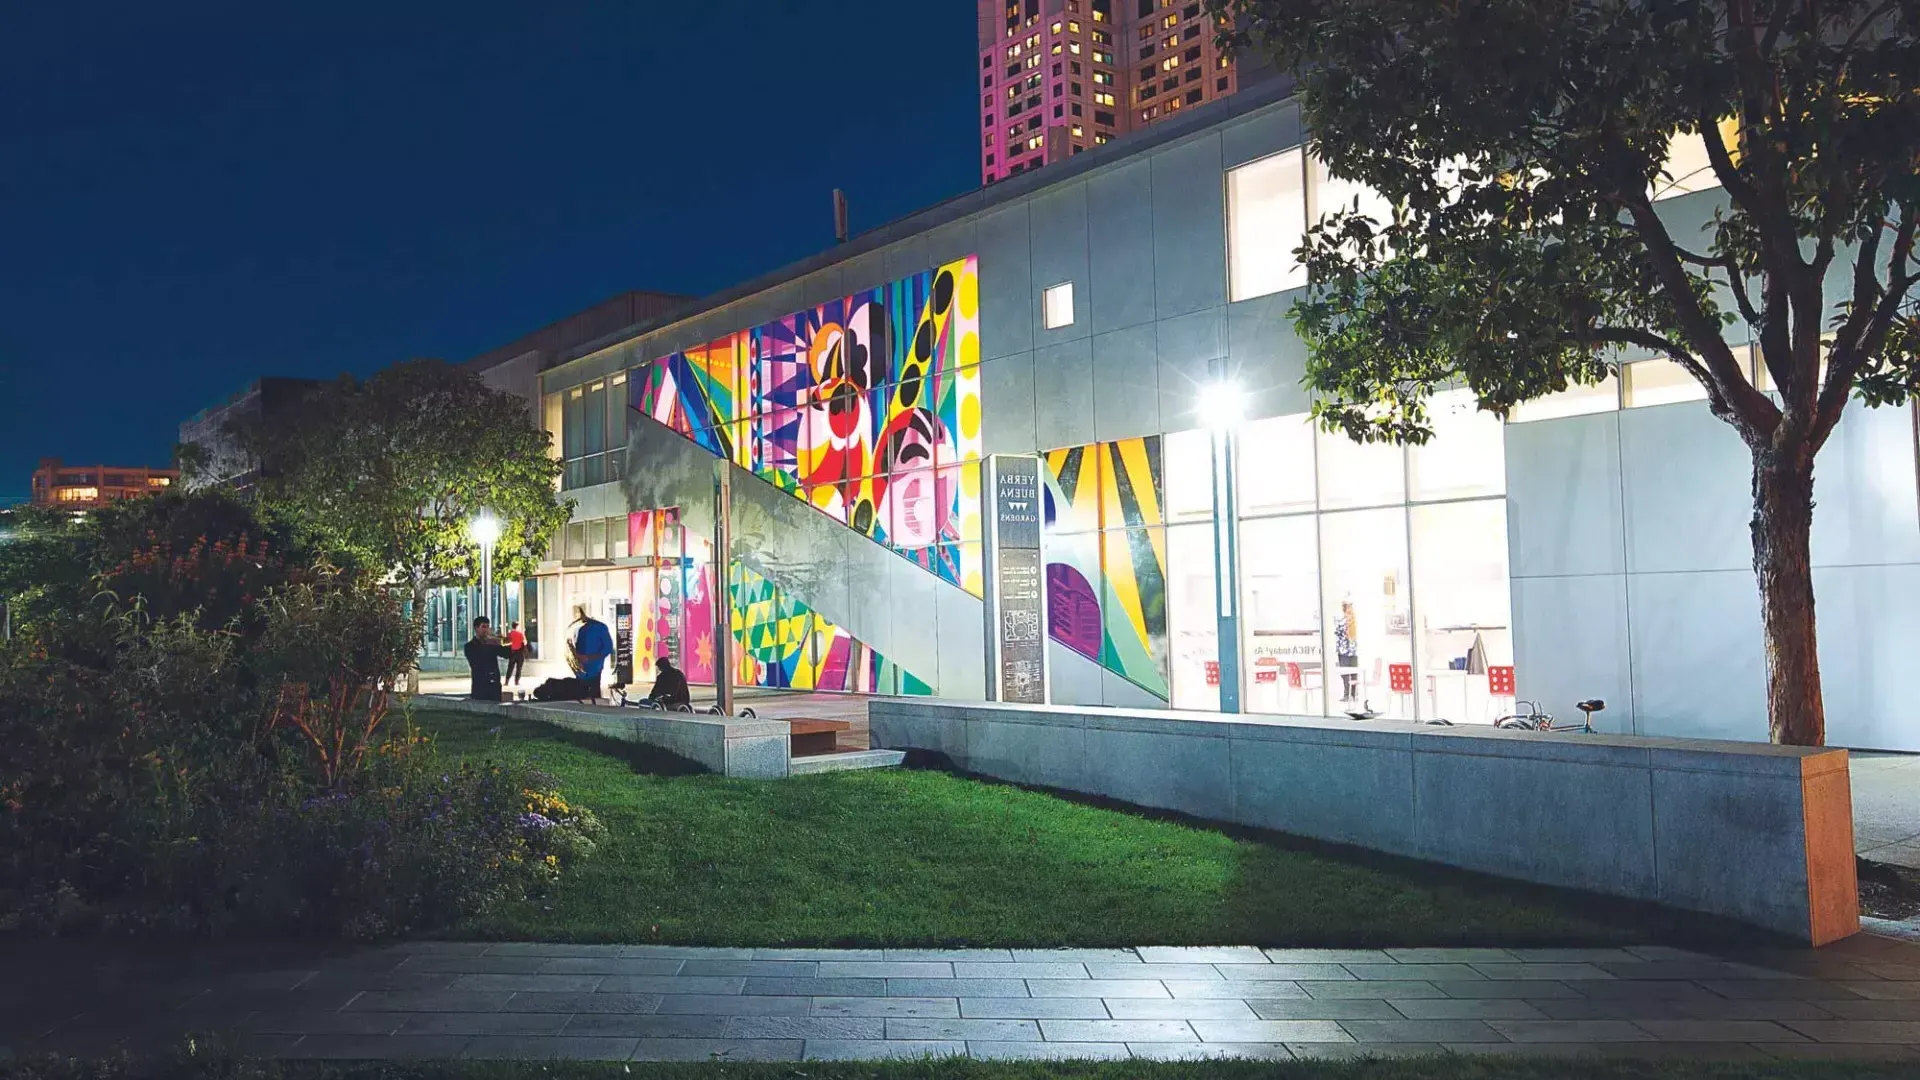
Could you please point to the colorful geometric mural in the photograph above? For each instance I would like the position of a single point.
(778, 642)
(783, 643)
(1106, 551)
(866, 407)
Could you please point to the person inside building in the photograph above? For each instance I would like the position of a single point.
(516, 653)
(669, 685)
(592, 644)
(484, 653)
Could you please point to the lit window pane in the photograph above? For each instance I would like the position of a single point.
(1280, 616)
(1364, 559)
(1193, 627)
(1467, 455)
(1266, 220)
(1660, 382)
(1332, 194)
(1466, 614)
(1360, 474)
(1058, 302)
(1603, 396)
(1189, 476)
(1275, 465)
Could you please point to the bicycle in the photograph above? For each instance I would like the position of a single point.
(1537, 719)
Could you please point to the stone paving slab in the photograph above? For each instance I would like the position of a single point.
(530, 1001)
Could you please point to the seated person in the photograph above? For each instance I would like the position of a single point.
(669, 685)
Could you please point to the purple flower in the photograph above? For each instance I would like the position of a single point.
(538, 821)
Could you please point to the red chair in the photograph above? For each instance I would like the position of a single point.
(1400, 683)
(1502, 685)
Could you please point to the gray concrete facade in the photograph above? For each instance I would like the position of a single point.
(1627, 550)
(1758, 833)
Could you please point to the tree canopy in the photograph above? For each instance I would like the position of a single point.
(392, 470)
(1522, 145)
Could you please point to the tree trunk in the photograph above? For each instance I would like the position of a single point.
(1782, 560)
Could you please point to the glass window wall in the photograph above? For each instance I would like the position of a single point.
(1266, 221)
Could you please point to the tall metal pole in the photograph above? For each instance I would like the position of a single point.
(486, 582)
(1226, 567)
(721, 598)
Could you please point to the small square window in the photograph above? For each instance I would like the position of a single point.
(1057, 300)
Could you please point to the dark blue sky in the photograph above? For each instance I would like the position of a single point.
(195, 194)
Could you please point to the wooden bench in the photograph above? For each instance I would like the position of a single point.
(812, 736)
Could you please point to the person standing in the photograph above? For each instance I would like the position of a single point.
(592, 644)
(484, 652)
(516, 653)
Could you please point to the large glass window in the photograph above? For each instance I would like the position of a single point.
(1193, 626)
(1467, 455)
(1464, 604)
(1659, 381)
(1280, 617)
(1189, 476)
(1360, 474)
(1576, 400)
(1365, 607)
(1331, 194)
(1266, 221)
(1275, 465)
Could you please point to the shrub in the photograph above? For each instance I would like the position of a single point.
(166, 775)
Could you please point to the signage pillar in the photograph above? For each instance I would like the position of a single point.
(1016, 582)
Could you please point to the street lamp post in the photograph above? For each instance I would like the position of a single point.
(1221, 405)
(485, 530)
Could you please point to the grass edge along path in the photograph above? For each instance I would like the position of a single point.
(214, 1066)
(916, 857)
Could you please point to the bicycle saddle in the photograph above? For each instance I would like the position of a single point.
(1591, 707)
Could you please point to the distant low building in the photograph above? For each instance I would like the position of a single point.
(221, 461)
(83, 487)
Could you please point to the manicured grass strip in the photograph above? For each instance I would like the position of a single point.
(1430, 1068)
(907, 857)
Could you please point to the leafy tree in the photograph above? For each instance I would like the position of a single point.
(1519, 142)
(392, 470)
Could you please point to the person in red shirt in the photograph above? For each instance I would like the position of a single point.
(516, 653)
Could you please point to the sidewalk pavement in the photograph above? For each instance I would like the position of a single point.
(1856, 1000)
(1886, 807)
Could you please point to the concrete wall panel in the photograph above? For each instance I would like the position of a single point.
(1189, 228)
(1120, 243)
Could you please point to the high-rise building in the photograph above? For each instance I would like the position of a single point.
(1059, 76)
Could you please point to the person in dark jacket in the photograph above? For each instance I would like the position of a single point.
(484, 653)
(669, 685)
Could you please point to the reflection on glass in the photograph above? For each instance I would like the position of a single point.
(1280, 617)
(1467, 455)
(1274, 464)
(1460, 555)
(1360, 474)
(1369, 625)
(1193, 628)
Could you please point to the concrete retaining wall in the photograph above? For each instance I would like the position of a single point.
(730, 746)
(1762, 834)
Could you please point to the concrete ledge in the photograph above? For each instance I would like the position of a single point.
(730, 746)
(1762, 834)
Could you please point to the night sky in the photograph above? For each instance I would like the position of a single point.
(196, 194)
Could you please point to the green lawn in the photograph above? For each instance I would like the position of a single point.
(1430, 1068)
(917, 857)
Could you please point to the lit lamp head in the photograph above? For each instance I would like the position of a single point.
(484, 528)
(1222, 403)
